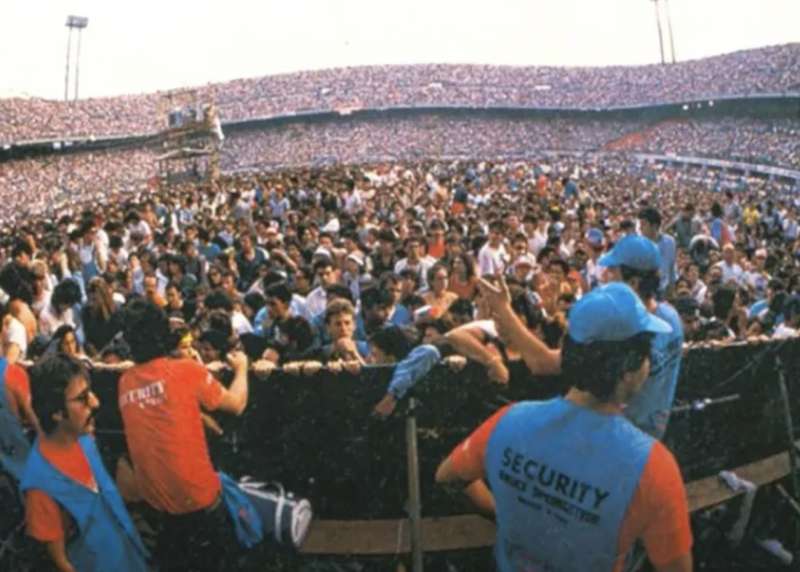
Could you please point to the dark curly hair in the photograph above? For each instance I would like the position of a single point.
(66, 294)
(599, 366)
(147, 331)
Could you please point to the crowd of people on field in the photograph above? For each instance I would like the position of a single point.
(60, 180)
(576, 266)
(602, 194)
(769, 70)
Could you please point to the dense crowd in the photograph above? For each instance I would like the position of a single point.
(62, 180)
(282, 226)
(764, 141)
(415, 138)
(60, 183)
(408, 263)
(766, 70)
(405, 241)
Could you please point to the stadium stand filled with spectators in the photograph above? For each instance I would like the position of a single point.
(772, 70)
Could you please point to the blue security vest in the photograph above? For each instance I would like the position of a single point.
(107, 539)
(14, 445)
(650, 408)
(562, 477)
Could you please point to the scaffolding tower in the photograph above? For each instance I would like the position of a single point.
(189, 144)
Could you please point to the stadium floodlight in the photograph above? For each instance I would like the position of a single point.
(74, 23)
(669, 32)
(79, 22)
(660, 33)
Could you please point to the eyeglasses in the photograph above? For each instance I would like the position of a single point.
(84, 397)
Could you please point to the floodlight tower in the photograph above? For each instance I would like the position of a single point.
(660, 33)
(669, 32)
(74, 23)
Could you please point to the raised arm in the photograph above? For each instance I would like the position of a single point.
(539, 358)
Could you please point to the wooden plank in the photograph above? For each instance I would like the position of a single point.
(457, 533)
(375, 537)
(366, 537)
(371, 537)
(711, 490)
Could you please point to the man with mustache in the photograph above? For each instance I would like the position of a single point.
(72, 505)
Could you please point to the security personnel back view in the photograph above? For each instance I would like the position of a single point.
(574, 482)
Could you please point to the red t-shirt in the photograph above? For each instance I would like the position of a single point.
(658, 512)
(436, 249)
(46, 521)
(18, 389)
(160, 403)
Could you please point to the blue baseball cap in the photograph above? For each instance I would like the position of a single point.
(595, 237)
(634, 250)
(612, 313)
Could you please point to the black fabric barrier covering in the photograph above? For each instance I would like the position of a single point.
(317, 437)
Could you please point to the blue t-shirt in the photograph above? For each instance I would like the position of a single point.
(667, 248)
(716, 230)
(650, 408)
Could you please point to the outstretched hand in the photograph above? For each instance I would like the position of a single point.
(496, 295)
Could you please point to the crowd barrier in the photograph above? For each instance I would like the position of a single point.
(316, 435)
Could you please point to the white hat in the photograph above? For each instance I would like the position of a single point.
(322, 251)
(356, 257)
(332, 225)
(525, 259)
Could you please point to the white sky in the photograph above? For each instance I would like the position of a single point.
(145, 45)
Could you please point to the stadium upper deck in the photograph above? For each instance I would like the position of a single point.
(770, 70)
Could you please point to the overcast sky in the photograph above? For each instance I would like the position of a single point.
(146, 45)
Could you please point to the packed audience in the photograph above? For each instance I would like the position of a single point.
(343, 232)
(407, 241)
(766, 70)
(59, 181)
(415, 138)
(406, 263)
(759, 141)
